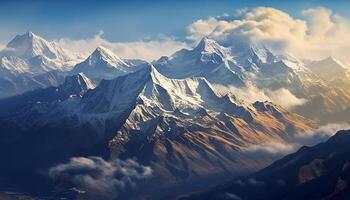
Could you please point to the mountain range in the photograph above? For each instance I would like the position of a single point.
(181, 127)
(29, 62)
(190, 117)
(254, 67)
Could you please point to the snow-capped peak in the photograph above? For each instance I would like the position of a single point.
(103, 64)
(37, 55)
(208, 45)
(29, 45)
(211, 52)
(207, 52)
(102, 53)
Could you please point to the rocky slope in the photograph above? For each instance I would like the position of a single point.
(318, 172)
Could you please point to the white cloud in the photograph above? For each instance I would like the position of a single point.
(310, 138)
(320, 135)
(201, 28)
(271, 148)
(148, 50)
(251, 94)
(285, 98)
(98, 178)
(317, 34)
(2, 47)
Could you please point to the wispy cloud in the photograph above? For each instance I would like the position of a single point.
(305, 37)
(145, 49)
(98, 178)
(232, 196)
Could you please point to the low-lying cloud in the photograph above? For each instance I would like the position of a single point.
(277, 149)
(98, 178)
(285, 98)
(251, 93)
(145, 49)
(304, 37)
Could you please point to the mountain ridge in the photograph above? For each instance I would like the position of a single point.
(318, 172)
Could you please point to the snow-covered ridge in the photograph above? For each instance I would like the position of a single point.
(155, 90)
(145, 89)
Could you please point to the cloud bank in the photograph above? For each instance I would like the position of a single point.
(148, 50)
(100, 179)
(301, 139)
(251, 94)
(306, 37)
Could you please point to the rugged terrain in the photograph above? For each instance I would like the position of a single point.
(318, 172)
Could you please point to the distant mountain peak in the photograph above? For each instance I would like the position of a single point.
(102, 53)
(104, 64)
(210, 46)
(29, 45)
(207, 44)
(330, 60)
(28, 40)
(32, 54)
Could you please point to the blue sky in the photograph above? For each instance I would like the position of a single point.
(129, 20)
